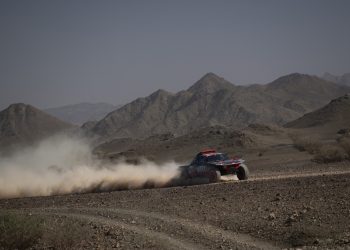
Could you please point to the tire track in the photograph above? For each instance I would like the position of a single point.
(206, 230)
(162, 240)
(303, 175)
(200, 235)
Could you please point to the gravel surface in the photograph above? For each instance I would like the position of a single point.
(310, 211)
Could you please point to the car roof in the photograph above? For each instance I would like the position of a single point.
(208, 151)
(211, 154)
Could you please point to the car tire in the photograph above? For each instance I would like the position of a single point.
(242, 172)
(213, 175)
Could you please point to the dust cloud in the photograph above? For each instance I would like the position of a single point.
(63, 165)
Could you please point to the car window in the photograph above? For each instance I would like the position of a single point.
(218, 157)
(202, 160)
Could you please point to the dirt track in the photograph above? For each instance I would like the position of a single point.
(281, 211)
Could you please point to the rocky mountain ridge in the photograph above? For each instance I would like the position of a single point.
(212, 100)
(22, 124)
(335, 116)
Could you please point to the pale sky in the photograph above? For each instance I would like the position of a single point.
(62, 52)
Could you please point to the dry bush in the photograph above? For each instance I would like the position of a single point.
(19, 231)
(330, 153)
(64, 234)
(305, 144)
(345, 145)
(22, 231)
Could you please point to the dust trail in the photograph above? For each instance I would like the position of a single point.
(62, 165)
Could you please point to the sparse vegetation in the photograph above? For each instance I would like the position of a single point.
(323, 153)
(26, 231)
(65, 234)
(345, 145)
(344, 131)
(330, 153)
(305, 144)
(19, 231)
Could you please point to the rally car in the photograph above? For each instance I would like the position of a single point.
(214, 165)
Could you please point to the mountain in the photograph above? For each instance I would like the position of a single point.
(334, 116)
(212, 100)
(22, 124)
(210, 83)
(82, 112)
(344, 79)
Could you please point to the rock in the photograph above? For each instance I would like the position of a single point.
(292, 218)
(272, 216)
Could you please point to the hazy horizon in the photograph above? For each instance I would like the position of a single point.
(56, 53)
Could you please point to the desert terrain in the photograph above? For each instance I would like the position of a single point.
(190, 125)
(65, 193)
(292, 207)
(289, 201)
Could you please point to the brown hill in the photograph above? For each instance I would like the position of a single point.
(252, 140)
(23, 124)
(167, 146)
(214, 101)
(334, 116)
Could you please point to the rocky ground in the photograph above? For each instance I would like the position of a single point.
(276, 210)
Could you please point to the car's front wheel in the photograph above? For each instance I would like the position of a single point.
(242, 172)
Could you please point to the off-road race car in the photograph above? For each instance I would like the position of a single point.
(214, 166)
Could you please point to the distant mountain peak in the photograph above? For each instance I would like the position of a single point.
(21, 109)
(18, 105)
(210, 83)
(26, 111)
(160, 92)
(293, 77)
(214, 101)
(22, 123)
(297, 81)
(210, 75)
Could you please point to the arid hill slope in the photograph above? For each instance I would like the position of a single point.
(333, 116)
(214, 101)
(23, 124)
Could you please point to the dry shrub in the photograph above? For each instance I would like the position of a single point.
(330, 153)
(19, 231)
(345, 145)
(305, 144)
(23, 231)
(64, 234)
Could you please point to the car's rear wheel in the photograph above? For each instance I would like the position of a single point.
(213, 175)
(242, 172)
(218, 176)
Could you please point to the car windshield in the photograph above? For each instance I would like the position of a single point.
(218, 157)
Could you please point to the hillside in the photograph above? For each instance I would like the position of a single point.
(167, 146)
(213, 100)
(81, 112)
(333, 116)
(22, 124)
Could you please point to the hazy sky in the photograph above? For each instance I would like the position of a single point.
(62, 52)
